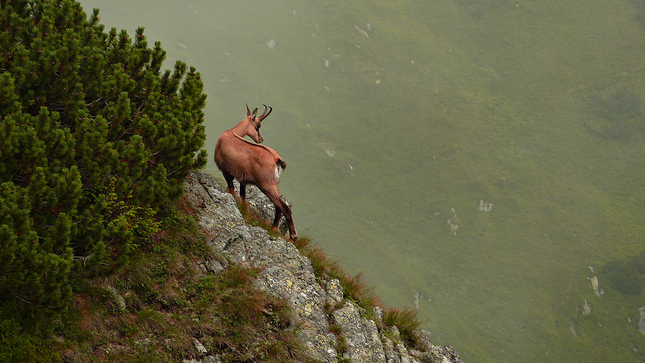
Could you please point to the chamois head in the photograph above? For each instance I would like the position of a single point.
(250, 126)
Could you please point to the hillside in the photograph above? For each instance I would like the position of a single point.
(331, 326)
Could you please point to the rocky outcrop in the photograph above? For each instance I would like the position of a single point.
(287, 274)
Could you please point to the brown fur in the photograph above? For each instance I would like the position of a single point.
(252, 163)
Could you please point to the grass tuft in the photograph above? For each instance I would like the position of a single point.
(407, 322)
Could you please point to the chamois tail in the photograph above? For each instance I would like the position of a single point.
(280, 165)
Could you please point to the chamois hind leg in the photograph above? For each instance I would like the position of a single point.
(281, 207)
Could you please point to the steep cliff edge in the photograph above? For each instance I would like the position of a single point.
(317, 304)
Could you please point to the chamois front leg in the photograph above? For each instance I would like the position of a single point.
(229, 181)
(243, 192)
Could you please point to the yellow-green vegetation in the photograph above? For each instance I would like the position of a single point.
(534, 106)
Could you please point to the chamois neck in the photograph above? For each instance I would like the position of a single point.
(240, 129)
(248, 127)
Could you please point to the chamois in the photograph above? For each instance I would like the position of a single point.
(252, 163)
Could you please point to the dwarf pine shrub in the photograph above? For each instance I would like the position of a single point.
(94, 138)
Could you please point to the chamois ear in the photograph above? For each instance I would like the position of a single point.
(248, 112)
(255, 112)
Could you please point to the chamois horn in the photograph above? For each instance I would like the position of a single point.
(265, 113)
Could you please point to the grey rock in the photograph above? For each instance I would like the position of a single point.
(201, 350)
(308, 305)
(377, 312)
(362, 336)
(334, 292)
(403, 354)
(440, 354)
(319, 345)
(215, 266)
(286, 274)
(390, 354)
(264, 252)
(278, 281)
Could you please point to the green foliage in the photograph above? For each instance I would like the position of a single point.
(139, 220)
(94, 138)
(20, 342)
